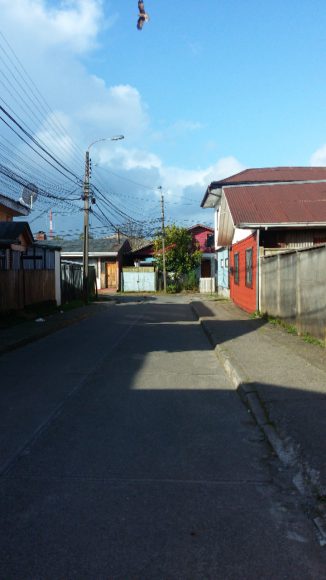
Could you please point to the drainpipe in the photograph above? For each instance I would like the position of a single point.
(258, 274)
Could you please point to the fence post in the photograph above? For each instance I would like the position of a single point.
(298, 292)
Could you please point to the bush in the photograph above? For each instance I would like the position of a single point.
(172, 288)
(190, 281)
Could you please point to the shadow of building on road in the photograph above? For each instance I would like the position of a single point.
(136, 459)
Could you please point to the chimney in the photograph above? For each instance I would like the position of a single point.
(40, 236)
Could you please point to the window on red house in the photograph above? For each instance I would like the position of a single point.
(249, 268)
(210, 241)
(236, 268)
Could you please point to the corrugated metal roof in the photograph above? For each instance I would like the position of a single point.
(262, 175)
(200, 226)
(274, 174)
(95, 245)
(18, 208)
(279, 203)
(10, 231)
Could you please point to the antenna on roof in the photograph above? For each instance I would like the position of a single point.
(29, 195)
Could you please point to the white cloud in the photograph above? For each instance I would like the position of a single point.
(174, 180)
(177, 129)
(75, 23)
(50, 134)
(120, 109)
(130, 159)
(222, 168)
(50, 42)
(318, 158)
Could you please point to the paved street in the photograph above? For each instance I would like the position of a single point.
(127, 454)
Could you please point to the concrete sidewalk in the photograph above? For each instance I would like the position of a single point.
(23, 333)
(282, 380)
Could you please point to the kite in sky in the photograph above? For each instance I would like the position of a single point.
(143, 16)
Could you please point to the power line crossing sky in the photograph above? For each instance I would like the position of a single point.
(203, 91)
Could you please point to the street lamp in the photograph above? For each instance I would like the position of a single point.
(86, 213)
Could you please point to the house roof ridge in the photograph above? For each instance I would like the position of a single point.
(200, 226)
(262, 170)
(273, 183)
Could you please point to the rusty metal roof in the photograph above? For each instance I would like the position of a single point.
(262, 175)
(282, 203)
(274, 174)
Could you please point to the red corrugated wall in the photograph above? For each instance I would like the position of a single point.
(242, 295)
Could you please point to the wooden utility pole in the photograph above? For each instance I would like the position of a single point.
(86, 213)
(163, 240)
(86, 229)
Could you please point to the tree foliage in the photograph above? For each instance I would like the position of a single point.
(182, 253)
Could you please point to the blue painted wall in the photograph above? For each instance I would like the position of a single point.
(222, 268)
(138, 281)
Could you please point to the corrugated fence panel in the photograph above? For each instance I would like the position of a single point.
(293, 288)
(139, 280)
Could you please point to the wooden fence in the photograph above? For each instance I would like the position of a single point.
(72, 282)
(20, 288)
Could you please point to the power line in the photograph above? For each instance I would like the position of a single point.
(35, 96)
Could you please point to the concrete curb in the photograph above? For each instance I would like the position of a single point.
(286, 449)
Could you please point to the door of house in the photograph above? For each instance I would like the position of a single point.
(205, 269)
(111, 275)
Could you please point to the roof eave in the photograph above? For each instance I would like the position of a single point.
(212, 197)
(258, 226)
(91, 254)
(15, 206)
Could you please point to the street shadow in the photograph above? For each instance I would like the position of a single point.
(135, 458)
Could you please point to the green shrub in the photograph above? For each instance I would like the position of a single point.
(172, 288)
(190, 281)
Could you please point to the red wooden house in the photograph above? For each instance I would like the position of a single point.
(264, 211)
(243, 269)
(204, 236)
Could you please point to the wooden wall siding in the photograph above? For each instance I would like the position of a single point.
(278, 240)
(242, 295)
(19, 288)
(201, 236)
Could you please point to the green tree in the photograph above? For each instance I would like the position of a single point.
(182, 255)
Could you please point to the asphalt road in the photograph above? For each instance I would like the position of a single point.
(126, 454)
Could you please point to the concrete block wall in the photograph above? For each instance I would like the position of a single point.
(293, 288)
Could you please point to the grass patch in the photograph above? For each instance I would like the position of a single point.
(71, 305)
(291, 329)
(257, 314)
(312, 340)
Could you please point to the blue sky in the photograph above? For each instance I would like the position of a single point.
(203, 91)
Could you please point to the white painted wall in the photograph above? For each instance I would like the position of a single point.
(240, 234)
(57, 275)
(98, 277)
(215, 226)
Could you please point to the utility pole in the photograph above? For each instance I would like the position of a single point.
(163, 239)
(86, 229)
(85, 197)
(51, 225)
